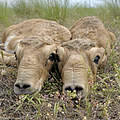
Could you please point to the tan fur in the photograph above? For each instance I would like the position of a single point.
(77, 63)
(89, 40)
(33, 41)
(91, 27)
(89, 47)
(43, 29)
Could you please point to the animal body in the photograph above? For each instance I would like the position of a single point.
(91, 27)
(39, 43)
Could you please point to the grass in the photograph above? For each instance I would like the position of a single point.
(114, 7)
(103, 101)
(5, 14)
(59, 10)
(52, 9)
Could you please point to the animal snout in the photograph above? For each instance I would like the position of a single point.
(80, 91)
(76, 88)
(22, 86)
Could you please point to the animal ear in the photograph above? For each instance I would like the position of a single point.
(61, 52)
(96, 59)
(54, 57)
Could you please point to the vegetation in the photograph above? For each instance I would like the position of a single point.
(103, 101)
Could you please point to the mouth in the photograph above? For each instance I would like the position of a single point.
(23, 92)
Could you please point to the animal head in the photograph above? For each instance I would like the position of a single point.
(33, 67)
(79, 67)
(75, 70)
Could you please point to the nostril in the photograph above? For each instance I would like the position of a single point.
(17, 85)
(25, 86)
(78, 88)
(22, 86)
(69, 89)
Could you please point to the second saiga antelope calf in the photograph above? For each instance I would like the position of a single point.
(88, 49)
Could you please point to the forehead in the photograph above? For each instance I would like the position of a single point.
(37, 54)
(30, 59)
(77, 58)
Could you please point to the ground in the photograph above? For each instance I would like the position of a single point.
(102, 102)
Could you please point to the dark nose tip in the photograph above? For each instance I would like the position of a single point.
(22, 86)
(77, 88)
(69, 88)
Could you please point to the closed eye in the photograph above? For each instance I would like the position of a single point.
(54, 57)
(15, 55)
(96, 59)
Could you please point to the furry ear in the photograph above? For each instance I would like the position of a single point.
(61, 52)
(54, 57)
(96, 59)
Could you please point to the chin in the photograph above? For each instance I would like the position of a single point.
(24, 92)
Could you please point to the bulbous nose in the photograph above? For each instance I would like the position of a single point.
(80, 91)
(72, 88)
(22, 86)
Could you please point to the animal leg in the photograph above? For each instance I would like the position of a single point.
(7, 58)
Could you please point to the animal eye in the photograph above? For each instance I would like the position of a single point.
(15, 55)
(96, 59)
(54, 57)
